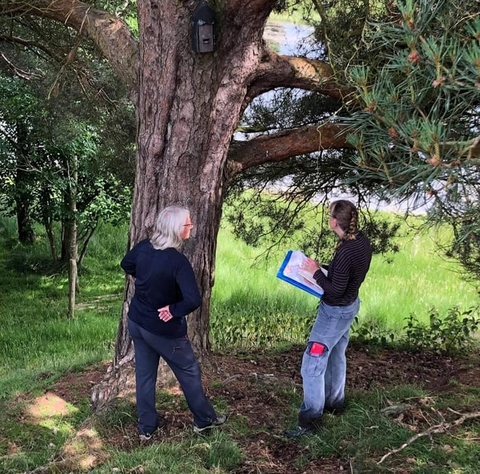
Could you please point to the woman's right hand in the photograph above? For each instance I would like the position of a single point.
(310, 265)
(164, 314)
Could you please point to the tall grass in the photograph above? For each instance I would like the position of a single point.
(38, 340)
(251, 306)
(413, 281)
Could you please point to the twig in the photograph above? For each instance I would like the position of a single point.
(231, 378)
(440, 428)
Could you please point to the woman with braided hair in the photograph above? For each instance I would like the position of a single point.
(324, 361)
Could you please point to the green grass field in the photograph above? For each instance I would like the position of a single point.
(413, 281)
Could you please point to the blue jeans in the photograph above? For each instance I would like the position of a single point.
(324, 363)
(179, 356)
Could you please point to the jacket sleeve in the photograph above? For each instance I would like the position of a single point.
(129, 262)
(191, 298)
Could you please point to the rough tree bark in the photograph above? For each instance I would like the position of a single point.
(188, 106)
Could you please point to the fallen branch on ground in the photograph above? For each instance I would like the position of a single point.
(441, 428)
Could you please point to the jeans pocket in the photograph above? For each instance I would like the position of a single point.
(314, 365)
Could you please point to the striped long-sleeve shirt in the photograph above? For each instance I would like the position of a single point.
(346, 272)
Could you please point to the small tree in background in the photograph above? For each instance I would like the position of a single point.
(56, 172)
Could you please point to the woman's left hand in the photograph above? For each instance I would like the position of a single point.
(164, 314)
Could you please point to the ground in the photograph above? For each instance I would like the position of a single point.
(244, 381)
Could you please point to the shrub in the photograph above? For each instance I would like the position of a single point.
(449, 335)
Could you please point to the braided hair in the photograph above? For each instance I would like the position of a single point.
(346, 215)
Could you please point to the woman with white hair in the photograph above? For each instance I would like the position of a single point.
(165, 293)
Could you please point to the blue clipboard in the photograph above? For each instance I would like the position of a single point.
(285, 274)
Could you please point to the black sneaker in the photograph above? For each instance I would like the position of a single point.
(340, 410)
(221, 419)
(146, 436)
(300, 431)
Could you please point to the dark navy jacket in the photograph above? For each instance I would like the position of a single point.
(162, 277)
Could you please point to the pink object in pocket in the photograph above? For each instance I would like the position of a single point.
(316, 348)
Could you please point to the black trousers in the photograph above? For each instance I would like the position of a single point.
(179, 356)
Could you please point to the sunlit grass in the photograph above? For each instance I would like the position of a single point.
(412, 281)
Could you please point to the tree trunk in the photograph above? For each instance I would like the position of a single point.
(88, 234)
(188, 107)
(47, 220)
(71, 234)
(48, 224)
(23, 198)
(72, 270)
(24, 225)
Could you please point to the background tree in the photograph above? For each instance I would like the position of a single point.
(16, 150)
(44, 158)
(55, 143)
(63, 169)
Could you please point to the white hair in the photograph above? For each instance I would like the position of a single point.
(168, 228)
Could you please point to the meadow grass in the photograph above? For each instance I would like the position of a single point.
(38, 340)
(413, 281)
(250, 306)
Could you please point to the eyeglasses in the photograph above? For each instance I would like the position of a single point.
(188, 225)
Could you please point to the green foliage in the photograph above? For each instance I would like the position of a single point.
(67, 132)
(371, 333)
(293, 11)
(415, 121)
(268, 220)
(453, 334)
(465, 245)
(41, 153)
(449, 335)
(415, 109)
(341, 29)
(260, 324)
